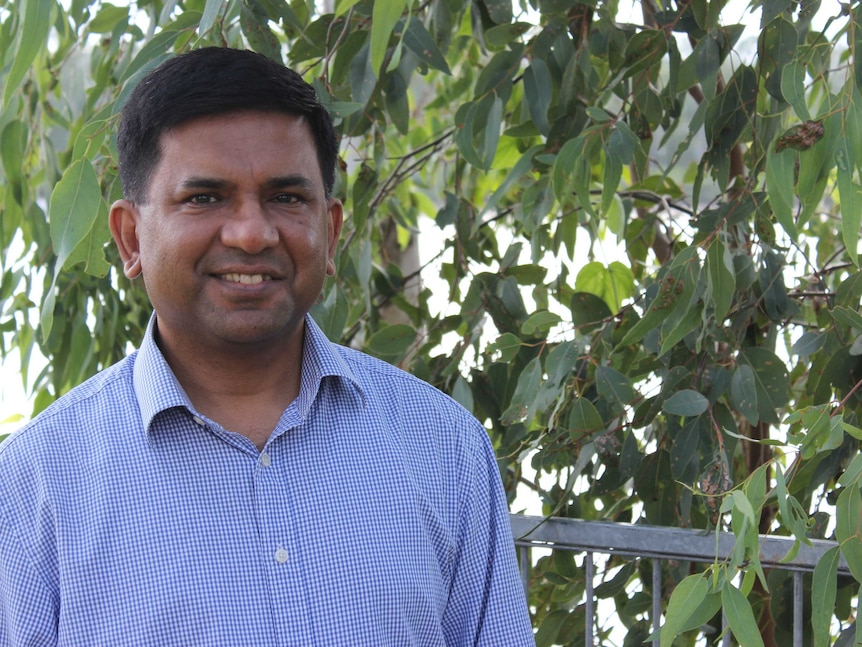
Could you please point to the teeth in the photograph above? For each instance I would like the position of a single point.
(246, 279)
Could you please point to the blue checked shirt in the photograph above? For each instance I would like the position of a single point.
(373, 516)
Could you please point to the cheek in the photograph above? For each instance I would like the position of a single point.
(161, 254)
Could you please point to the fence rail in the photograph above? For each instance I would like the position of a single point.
(659, 543)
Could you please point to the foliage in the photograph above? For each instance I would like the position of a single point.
(706, 376)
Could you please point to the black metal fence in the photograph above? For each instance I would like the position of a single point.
(658, 543)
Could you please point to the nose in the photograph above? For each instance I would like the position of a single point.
(249, 228)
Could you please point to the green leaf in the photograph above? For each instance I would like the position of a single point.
(808, 344)
(589, 311)
(397, 105)
(13, 145)
(539, 323)
(788, 508)
(687, 598)
(494, 117)
(508, 345)
(35, 25)
(684, 450)
(707, 60)
(619, 151)
(342, 6)
(331, 312)
(462, 394)
(853, 473)
(550, 627)
(780, 172)
(501, 35)
(853, 123)
(392, 341)
(850, 195)
(672, 299)
(772, 382)
(615, 387)
(478, 130)
(824, 587)
(107, 18)
(720, 279)
(584, 418)
(419, 41)
(852, 430)
(598, 114)
(645, 49)
(816, 160)
(611, 175)
(519, 170)
(848, 317)
(385, 15)
(848, 528)
(793, 88)
(496, 76)
(741, 503)
(152, 53)
(74, 206)
(254, 23)
(740, 617)
(538, 89)
(572, 170)
(91, 250)
(525, 393)
(743, 393)
(342, 109)
(210, 14)
(622, 142)
(500, 11)
(612, 283)
(675, 330)
(686, 403)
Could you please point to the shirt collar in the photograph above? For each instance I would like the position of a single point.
(157, 388)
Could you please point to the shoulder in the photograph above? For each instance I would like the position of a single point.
(405, 394)
(442, 443)
(77, 415)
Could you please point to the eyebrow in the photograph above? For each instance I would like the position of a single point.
(279, 182)
(290, 181)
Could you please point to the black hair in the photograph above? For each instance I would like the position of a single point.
(208, 82)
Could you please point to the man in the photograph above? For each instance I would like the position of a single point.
(240, 480)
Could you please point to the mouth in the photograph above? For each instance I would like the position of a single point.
(244, 279)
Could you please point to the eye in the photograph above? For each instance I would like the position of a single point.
(203, 198)
(288, 198)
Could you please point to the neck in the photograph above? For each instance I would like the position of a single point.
(245, 388)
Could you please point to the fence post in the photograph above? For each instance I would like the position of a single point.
(590, 601)
(656, 598)
(524, 568)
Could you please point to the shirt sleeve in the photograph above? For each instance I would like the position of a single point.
(487, 606)
(28, 611)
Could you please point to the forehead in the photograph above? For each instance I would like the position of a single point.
(251, 140)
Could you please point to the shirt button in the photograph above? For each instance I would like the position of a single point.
(281, 555)
(199, 421)
(264, 459)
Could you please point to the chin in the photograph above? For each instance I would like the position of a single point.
(256, 333)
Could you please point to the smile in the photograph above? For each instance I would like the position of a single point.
(245, 279)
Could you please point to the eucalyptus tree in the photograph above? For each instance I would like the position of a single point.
(708, 376)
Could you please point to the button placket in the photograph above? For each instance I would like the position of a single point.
(264, 461)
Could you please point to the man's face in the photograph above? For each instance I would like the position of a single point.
(237, 235)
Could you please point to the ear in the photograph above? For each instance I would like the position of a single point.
(335, 218)
(123, 220)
